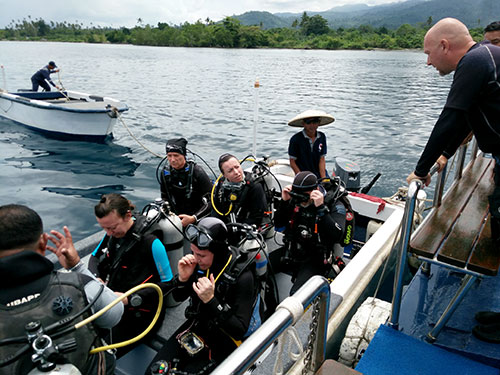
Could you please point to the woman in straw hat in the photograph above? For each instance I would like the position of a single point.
(307, 148)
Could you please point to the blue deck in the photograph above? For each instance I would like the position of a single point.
(427, 297)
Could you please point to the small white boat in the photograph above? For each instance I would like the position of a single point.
(67, 114)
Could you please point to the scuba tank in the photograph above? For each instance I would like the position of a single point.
(66, 369)
(168, 228)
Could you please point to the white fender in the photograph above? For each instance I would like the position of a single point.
(361, 329)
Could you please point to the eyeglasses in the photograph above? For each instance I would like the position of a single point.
(198, 235)
(313, 120)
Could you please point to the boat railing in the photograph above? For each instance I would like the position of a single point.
(315, 292)
(407, 224)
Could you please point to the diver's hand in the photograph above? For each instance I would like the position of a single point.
(64, 248)
(441, 162)
(285, 193)
(187, 219)
(317, 197)
(205, 288)
(186, 266)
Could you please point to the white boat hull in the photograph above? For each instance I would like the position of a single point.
(83, 116)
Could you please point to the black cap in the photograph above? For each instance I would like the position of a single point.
(52, 63)
(304, 182)
(177, 145)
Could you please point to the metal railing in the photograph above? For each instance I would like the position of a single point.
(245, 355)
(407, 225)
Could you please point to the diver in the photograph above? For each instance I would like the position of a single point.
(128, 256)
(219, 312)
(33, 291)
(184, 184)
(236, 197)
(313, 226)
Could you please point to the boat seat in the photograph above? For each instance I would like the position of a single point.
(457, 234)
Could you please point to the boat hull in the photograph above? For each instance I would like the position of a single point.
(82, 117)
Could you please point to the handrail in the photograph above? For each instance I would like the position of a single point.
(246, 354)
(411, 201)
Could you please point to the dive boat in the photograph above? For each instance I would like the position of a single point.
(64, 114)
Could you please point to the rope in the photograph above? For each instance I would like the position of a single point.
(294, 307)
(115, 111)
(294, 338)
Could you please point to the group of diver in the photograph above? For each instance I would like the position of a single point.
(42, 311)
(223, 280)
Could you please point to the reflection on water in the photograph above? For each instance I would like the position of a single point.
(91, 193)
(384, 102)
(75, 157)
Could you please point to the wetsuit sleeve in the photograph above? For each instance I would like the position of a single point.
(448, 133)
(236, 319)
(164, 276)
(329, 230)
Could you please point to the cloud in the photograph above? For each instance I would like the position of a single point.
(118, 13)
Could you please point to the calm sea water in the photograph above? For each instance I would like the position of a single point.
(385, 104)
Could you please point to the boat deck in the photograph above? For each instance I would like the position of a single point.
(427, 297)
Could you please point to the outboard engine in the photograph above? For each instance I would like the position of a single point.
(168, 228)
(349, 173)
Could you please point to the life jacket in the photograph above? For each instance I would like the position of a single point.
(174, 180)
(53, 305)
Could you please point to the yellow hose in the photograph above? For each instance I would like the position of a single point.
(118, 300)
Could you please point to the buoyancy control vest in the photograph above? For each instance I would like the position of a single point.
(63, 297)
(178, 183)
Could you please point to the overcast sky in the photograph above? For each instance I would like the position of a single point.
(118, 13)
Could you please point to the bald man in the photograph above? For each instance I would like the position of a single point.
(473, 103)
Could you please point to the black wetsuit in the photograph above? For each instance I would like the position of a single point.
(29, 288)
(185, 190)
(473, 104)
(146, 261)
(249, 207)
(310, 234)
(224, 318)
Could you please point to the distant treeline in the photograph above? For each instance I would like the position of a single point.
(306, 32)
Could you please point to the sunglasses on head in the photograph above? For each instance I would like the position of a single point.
(198, 236)
(313, 120)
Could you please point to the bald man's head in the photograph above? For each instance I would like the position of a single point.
(446, 43)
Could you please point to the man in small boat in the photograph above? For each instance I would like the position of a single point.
(473, 103)
(307, 148)
(41, 77)
(219, 311)
(184, 184)
(127, 256)
(312, 227)
(236, 197)
(33, 291)
(492, 33)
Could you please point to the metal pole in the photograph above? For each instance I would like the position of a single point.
(256, 85)
(438, 191)
(461, 161)
(4, 80)
(406, 227)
